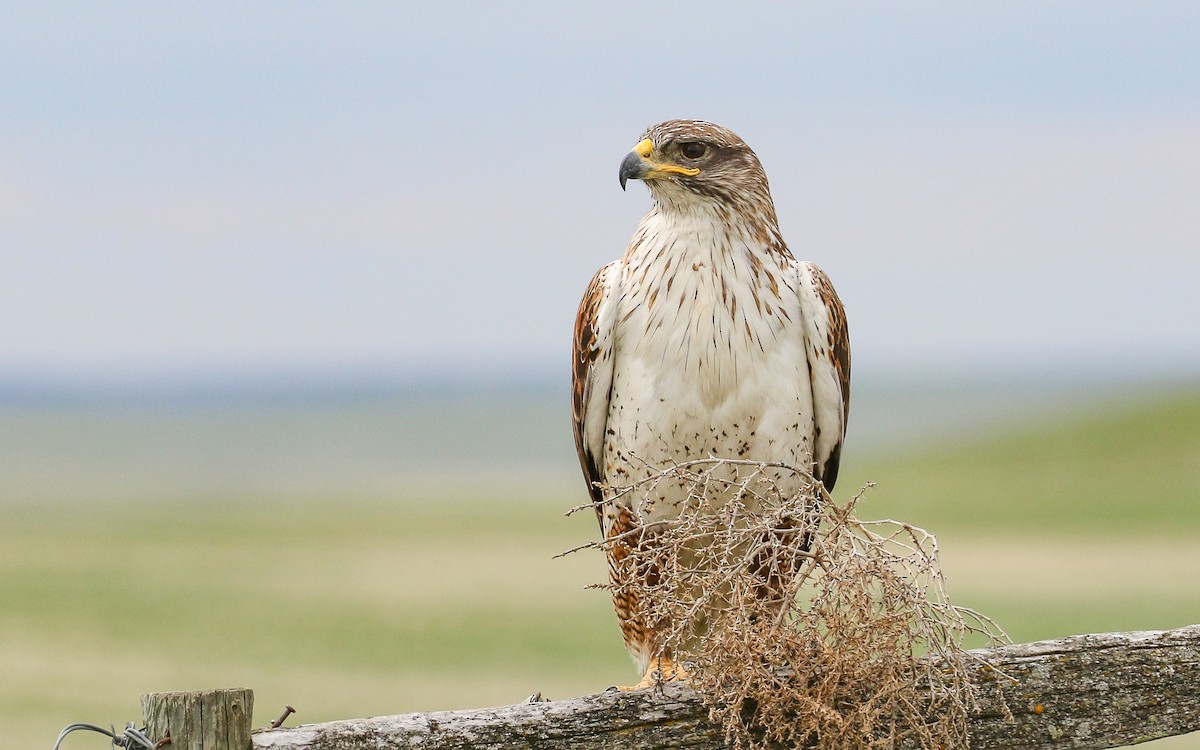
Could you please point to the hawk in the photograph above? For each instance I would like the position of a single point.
(707, 339)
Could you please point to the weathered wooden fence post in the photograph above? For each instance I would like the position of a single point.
(206, 720)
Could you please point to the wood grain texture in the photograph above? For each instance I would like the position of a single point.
(207, 720)
(1084, 692)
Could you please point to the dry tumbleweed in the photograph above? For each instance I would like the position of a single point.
(801, 625)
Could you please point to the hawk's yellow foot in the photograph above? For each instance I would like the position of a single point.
(662, 669)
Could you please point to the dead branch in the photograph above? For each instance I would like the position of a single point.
(1084, 692)
(755, 566)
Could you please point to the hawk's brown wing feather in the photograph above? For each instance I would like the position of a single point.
(829, 353)
(839, 339)
(591, 377)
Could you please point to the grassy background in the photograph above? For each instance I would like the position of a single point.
(438, 591)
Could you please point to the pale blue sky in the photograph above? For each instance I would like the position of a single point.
(253, 187)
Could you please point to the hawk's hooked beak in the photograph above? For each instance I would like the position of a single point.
(637, 165)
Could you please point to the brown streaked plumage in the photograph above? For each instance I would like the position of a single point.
(706, 339)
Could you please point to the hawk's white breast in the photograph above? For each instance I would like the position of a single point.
(709, 352)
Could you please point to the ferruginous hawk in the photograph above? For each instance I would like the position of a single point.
(706, 339)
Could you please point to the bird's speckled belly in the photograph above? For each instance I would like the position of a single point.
(659, 419)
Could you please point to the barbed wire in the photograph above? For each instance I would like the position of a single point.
(132, 737)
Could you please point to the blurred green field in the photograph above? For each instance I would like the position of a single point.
(447, 596)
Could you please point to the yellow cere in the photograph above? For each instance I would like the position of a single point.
(645, 148)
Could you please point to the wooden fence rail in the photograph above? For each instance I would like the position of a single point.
(1082, 692)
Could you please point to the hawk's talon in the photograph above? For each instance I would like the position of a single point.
(663, 669)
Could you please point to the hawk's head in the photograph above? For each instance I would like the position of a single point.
(685, 160)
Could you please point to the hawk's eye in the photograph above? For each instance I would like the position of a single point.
(693, 150)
